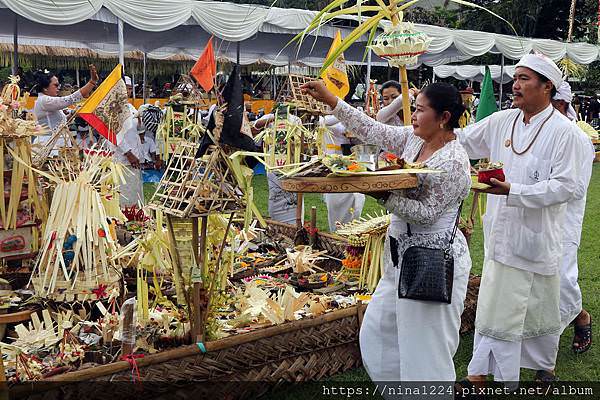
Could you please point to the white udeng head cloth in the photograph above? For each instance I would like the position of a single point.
(542, 65)
(564, 93)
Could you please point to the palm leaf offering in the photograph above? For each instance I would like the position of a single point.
(571, 69)
(363, 260)
(78, 240)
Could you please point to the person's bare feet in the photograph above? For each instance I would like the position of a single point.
(582, 319)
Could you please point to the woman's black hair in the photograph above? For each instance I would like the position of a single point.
(445, 97)
(391, 84)
(42, 80)
(544, 79)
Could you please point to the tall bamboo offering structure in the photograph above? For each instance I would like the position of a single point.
(79, 240)
(22, 208)
(400, 44)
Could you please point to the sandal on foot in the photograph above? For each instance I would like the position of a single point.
(545, 377)
(465, 389)
(582, 341)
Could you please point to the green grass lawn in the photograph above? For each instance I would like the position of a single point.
(570, 367)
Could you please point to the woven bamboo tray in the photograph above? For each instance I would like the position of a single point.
(242, 366)
(350, 184)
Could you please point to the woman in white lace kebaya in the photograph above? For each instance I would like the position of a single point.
(401, 339)
(48, 108)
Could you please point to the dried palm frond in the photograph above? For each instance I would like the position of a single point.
(571, 69)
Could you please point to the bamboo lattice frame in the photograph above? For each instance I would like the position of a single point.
(292, 93)
(191, 93)
(192, 187)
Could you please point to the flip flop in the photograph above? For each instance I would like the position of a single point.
(582, 338)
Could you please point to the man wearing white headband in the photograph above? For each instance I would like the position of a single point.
(518, 315)
(341, 207)
(571, 309)
(562, 101)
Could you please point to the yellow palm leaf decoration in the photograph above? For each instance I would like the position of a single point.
(385, 10)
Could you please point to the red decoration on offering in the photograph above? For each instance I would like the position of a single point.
(100, 291)
(101, 233)
(484, 176)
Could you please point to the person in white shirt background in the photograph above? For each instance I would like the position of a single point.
(341, 207)
(523, 228)
(391, 95)
(571, 309)
(129, 153)
(282, 204)
(51, 110)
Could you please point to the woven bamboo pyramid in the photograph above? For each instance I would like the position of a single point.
(192, 187)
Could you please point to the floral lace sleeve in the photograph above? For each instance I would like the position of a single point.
(390, 138)
(436, 192)
(50, 103)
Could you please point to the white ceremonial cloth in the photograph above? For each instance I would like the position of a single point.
(524, 229)
(504, 359)
(130, 142)
(529, 306)
(132, 191)
(519, 331)
(282, 204)
(570, 293)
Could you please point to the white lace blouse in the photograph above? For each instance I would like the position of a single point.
(49, 110)
(432, 206)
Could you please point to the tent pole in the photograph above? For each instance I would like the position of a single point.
(121, 42)
(133, 83)
(15, 64)
(273, 83)
(145, 77)
(501, 79)
(238, 46)
(77, 76)
(432, 75)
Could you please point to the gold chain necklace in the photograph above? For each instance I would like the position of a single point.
(512, 143)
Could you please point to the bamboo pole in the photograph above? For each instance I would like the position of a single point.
(313, 226)
(403, 74)
(3, 384)
(199, 298)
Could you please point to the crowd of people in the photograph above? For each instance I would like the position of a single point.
(532, 225)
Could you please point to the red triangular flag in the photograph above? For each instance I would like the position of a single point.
(205, 69)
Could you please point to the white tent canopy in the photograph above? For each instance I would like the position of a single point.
(474, 72)
(163, 28)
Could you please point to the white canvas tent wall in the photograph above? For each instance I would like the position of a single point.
(474, 72)
(165, 27)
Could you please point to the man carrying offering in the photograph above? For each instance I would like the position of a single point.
(518, 315)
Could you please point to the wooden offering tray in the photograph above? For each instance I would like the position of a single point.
(359, 183)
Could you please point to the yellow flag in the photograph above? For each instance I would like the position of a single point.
(336, 76)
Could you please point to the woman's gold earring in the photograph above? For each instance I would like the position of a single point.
(441, 126)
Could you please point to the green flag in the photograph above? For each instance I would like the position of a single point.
(487, 100)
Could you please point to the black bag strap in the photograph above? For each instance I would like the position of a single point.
(454, 229)
(456, 223)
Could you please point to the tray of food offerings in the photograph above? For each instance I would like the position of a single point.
(347, 174)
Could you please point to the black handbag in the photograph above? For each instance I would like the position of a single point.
(426, 273)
